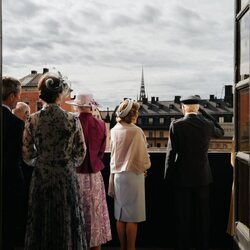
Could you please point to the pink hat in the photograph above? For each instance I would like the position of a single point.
(83, 100)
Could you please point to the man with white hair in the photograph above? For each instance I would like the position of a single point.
(22, 110)
(187, 169)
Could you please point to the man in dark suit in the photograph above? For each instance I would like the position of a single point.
(12, 179)
(187, 169)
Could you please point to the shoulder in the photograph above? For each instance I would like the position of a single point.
(17, 121)
(137, 129)
(71, 115)
(177, 122)
(98, 121)
(117, 126)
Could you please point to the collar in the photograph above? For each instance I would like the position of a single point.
(190, 113)
(4, 105)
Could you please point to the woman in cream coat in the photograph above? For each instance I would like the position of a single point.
(128, 166)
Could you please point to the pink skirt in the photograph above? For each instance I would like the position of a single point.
(94, 204)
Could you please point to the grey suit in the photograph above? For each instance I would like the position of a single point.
(187, 169)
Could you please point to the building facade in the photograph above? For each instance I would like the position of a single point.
(155, 117)
(30, 92)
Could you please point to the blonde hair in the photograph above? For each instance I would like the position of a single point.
(132, 114)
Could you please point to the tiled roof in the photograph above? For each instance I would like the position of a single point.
(30, 80)
(217, 106)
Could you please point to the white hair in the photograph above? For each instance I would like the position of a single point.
(21, 106)
(191, 107)
(22, 110)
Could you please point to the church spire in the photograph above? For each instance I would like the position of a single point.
(142, 91)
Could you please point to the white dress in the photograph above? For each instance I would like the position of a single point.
(129, 197)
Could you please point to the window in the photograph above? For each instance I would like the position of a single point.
(221, 119)
(244, 121)
(243, 198)
(241, 125)
(150, 120)
(244, 46)
(161, 120)
(150, 134)
(161, 134)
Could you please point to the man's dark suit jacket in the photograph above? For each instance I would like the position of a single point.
(187, 162)
(12, 177)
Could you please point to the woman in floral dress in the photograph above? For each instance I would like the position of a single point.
(53, 143)
(92, 189)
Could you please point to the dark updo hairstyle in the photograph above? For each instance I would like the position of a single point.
(50, 87)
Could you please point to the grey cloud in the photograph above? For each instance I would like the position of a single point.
(122, 37)
(51, 25)
(91, 15)
(21, 9)
(187, 14)
(150, 14)
(122, 21)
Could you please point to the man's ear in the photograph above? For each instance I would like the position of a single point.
(11, 96)
(183, 109)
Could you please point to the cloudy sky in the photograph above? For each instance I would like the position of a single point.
(184, 46)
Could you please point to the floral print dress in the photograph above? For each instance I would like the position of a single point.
(53, 143)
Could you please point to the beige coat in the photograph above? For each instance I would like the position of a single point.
(128, 149)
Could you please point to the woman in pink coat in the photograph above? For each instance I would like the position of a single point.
(92, 189)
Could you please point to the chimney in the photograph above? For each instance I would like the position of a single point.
(33, 72)
(157, 99)
(211, 98)
(152, 99)
(229, 94)
(45, 70)
(177, 99)
(144, 100)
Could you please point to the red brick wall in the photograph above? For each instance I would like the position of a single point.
(32, 97)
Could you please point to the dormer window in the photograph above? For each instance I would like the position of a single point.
(221, 119)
